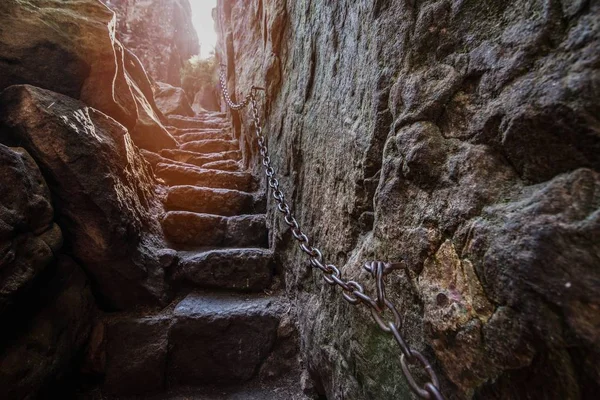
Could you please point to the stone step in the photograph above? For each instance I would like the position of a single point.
(205, 135)
(175, 175)
(223, 165)
(288, 390)
(181, 122)
(210, 146)
(193, 229)
(216, 339)
(240, 269)
(182, 131)
(213, 201)
(191, 157)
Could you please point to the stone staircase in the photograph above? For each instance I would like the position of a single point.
(227, 336)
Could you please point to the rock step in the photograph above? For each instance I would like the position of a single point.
(224, 202)
(216, 339)
(181, 122)
(210, 146)
(207, 135)
(174, 175)
(246, 269)
(271, 391)
(182, 131)
(155, 159)
(223, 165)
(191, 157)
(193, 229)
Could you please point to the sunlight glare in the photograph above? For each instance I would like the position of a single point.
(204, 24)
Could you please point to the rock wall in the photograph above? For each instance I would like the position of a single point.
(159, 32)
(459, 137)
(79, 233)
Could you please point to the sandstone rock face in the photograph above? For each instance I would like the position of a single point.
(77, 55)
(103, 189)
(28, 237)
(172, 100)
(206, 99)
(159, 32)
(460, 137)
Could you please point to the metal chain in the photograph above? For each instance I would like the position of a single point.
(352, 291)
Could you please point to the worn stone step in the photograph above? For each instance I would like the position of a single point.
(224, 202)
(223, 165)
(287, 390)
(205, 135)
(181, 122)
(174, 175)
(155, 159)
(217, 339)
(192, 157)
(193, 229)
(210, 146)
(240, 269)
(176, 132)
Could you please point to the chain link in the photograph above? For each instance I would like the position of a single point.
(352, 291)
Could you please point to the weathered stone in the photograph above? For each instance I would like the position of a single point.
(39, 350)
(202, 135)
(172, 100)
(103, 187)
(28, 237)
(193, 229)
(452, 136)
(210, 146)
(191, 157)
(77, 55)
(159, 32)
(221, 338)
(223, 165)
(176, 174)
(136, 354)
(247, 270)
(207, 122)
(209, 201)
(206, 99)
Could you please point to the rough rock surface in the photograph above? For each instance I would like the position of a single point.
(104, 191)
(77, 55)
(172, 100)
(36, 352)
(29, 239)
(206, 99)
(159, 32)
(460, 137)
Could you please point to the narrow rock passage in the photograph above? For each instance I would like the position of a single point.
(227, 337)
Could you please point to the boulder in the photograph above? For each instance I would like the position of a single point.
(72, 50)
(172, 100)
(207, 99)
(102, 186)
(28, 237)
(39, 351)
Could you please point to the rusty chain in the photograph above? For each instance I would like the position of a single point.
(352, 291)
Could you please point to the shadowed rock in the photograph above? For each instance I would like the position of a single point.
(29, 239)
(193, 229)
(247, 270)
(103, 186)
(39, 350)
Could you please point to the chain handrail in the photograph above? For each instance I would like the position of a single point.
(352, 291)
